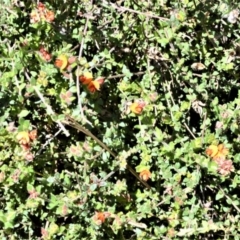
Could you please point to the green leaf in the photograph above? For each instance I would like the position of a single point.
(23, 113)
(159, 135)
(29, 187)
(196, 143)
(23, 124)
(126, 72)
(212, 167)
(141, 167)
(219, 195)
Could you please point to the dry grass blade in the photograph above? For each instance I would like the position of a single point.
(74, 124)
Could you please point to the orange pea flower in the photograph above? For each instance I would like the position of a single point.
(49, 16)
(217, 152)
(93, 86)
(212, 150)
(100, 80)
(86, 78)
(100, 217)
(23, 138)
(34, 17)
(40, 7)
(26, 147)
(61, 62)
(136, 108)
(41, 13)
(145, 174)
(33, 135)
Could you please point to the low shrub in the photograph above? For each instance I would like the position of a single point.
(119, 119)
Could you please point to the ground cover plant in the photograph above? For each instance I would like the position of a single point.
(119, 119)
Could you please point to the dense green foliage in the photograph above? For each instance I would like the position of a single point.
(168, 107)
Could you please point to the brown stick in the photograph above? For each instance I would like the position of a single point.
(74, 124)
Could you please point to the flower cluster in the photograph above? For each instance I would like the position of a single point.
(75, 150)
(25, 139)
(46, 56)
(91, 84)
(64, 63)
(41, 13)
(33, 194)
(100, 217)
(225, 166)
(67, 97)
(137, 107)
(42, 79)
(218, 153)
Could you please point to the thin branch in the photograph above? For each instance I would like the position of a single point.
(49, 109)
(123, 75)
(72, 123)
(48, 142)
(78, 70)
(125, 9)
(186, 126)
(204, 126)
(168, 103)
(234, 205)
(101, 60)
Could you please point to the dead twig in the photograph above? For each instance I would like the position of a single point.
(74, 124)
(125, 9)
(49, 108)
(78, 70)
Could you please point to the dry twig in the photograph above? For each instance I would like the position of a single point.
(49, 108)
